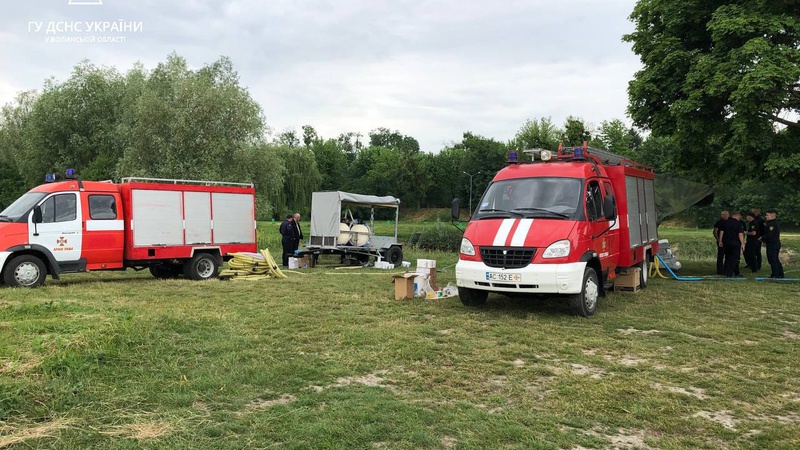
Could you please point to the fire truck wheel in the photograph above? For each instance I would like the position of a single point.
(585, 303)
(166, 271)
(644, 274)
(203, 266)
(25, 271)
(472, 297)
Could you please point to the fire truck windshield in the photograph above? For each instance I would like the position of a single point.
(546, 197)
(21, 206)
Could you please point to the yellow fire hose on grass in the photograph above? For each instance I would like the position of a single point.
(252, 266)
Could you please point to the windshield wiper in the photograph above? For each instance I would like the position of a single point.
(500, 211)
(5, 219)
(562, 215)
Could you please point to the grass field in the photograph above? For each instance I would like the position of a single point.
(327, 359)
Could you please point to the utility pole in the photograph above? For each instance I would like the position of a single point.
(470, 188)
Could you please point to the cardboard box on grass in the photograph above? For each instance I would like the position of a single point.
(628, 280)
(306, 262)
(404, 285)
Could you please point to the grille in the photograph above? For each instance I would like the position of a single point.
(507, 258)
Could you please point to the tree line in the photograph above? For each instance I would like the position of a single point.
(174, 122)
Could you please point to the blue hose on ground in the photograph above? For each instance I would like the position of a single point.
(711, 278)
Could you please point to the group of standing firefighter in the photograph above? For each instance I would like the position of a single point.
(734, 238)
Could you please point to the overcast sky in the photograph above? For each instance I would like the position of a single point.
(431, 69)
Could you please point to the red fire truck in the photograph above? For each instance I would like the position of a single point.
(172, 227)
(561, 224)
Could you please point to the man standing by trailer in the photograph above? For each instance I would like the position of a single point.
(299, 232)
(718, 227)
(288, 239)
(732, 240)
(772, 239)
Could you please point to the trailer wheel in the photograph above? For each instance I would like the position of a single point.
(585, 303)
(472, 297)
(394, 255)
(643, 275)
(203, 266)
(25, 271)
(166, 271)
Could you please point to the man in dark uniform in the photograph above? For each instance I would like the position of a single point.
(732, 240)
(299, 232)
(760, 223)
(772, 239)
(717, 239)
(289, 233)
(752, 245)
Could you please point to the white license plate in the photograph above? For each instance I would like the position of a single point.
(492, 276)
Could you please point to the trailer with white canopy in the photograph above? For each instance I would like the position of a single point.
(334, 229)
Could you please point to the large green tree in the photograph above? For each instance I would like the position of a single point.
(172, 122)
(723, 79)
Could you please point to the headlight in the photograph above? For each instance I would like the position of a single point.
(467, 248)
(559, 249)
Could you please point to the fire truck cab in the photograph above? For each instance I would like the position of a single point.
(562, 224)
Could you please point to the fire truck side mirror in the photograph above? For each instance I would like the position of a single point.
(37, 214)
(610, 207)
(455, 210)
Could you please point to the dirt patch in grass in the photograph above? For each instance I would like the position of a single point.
(791, 335)
(631, 330)
(594, 373)
(518, 363)
(691, 391)
(18, 369)
(620, 438)
(788, 419)
(448, 442)
(371, 379)
(141, 431)
(626, 360)
(17, 435)
(261, 403)
(724, 418)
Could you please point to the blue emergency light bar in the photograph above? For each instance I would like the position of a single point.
(513, 157)
(50, 178)
(71, 174)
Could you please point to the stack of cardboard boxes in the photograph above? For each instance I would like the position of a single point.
(420, 283)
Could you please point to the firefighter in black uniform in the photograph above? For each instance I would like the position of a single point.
(718, 227)
(290, 237)
(759, 219)
(772, 239)
(732, 240)
(752, 244)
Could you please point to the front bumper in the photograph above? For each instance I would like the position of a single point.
(534, 279)
(3, 257)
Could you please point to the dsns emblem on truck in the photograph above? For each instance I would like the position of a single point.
(62, 245)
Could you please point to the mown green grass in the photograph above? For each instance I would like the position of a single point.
(327, 359)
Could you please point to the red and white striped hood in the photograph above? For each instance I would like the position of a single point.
(518, 232)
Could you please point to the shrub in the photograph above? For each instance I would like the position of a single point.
(441, 236)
